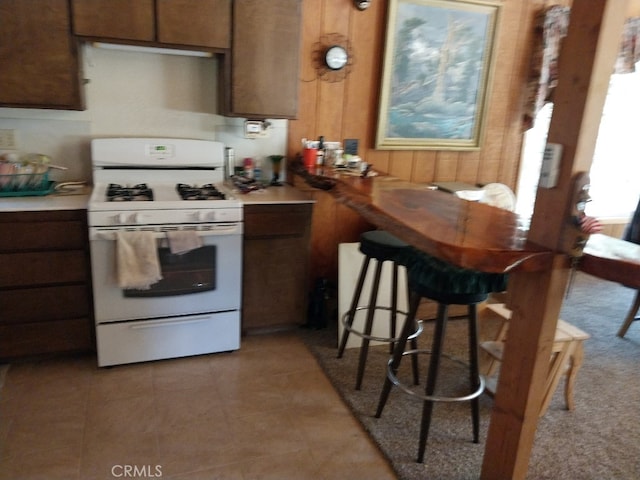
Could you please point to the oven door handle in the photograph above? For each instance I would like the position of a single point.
(166, 323)
(223, 229)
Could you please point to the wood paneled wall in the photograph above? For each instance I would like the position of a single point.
(349, 109)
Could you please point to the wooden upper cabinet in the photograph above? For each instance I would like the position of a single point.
(264, 64)
(39, 66)
(204, 23)
(122, 19)
(198, 23)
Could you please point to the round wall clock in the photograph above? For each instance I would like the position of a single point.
(332, 57)
(336, 57)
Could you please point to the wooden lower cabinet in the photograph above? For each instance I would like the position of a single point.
(276, 265)
(45, 283)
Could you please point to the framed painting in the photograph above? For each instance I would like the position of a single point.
(437, 69)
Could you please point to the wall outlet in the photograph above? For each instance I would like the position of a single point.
(8, 139)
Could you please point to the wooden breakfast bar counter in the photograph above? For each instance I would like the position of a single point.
(485, 238)
(467, 234)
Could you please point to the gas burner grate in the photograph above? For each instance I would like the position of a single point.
(205, 192)
(137, 193)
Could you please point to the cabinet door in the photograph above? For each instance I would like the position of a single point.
(121, 19)
(204, 23)
(265, 51)
(38, 57)
(276, 265)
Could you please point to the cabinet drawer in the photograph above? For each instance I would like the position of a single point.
(43, 268)
(277, 220)
(43, 236)
(44, 304)
(46, 337)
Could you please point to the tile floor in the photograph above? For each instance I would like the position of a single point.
(263, 412)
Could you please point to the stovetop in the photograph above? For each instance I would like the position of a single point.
(121, 193)
(141, 192)
(198, 193)
(148, 181)
(158, 196)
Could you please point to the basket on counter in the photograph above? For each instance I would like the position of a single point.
(25, 184)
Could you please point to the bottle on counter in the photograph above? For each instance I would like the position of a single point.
(230, 164)
(320, 154)
(257, 170)
(248, 167)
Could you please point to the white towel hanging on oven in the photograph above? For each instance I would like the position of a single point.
(183, 241)
(138, 263)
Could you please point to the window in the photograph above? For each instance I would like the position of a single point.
(615, 171)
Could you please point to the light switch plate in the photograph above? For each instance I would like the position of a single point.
(550, 165)
(8, 139)
(255, 129)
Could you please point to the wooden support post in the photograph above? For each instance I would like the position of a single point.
(585, 65)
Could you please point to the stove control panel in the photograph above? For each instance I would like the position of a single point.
(160, 217)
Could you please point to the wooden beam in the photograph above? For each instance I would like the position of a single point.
(587, 58)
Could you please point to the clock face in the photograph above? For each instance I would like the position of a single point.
(336, 57)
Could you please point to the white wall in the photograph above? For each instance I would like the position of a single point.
(137, 94)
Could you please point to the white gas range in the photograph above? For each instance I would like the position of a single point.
(156, 186)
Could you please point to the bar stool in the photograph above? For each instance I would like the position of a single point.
(447, 285)
(381, 246)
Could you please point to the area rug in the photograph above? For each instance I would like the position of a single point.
(597, 440)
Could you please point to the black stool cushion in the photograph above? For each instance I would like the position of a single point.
(381, 245)
(445, 283)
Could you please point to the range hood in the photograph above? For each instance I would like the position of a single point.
(143, 49)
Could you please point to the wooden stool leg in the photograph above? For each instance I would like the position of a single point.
(631, 316)
(394, 306)
(432, 376)
(414, 344)
(407, 329)
(558, 362)
(364, 348)
(575, 362)
(354, 305)
(474, 372)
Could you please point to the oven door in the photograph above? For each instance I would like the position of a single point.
(204, 280)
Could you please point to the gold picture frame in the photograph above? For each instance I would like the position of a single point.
(438, 61)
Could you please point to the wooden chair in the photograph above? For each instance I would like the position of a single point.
(631, 316)
(632, 234)
(567, 354)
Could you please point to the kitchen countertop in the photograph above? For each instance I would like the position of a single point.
(77, 200)
(275, 195)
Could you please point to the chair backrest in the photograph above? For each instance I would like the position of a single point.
(499, 195)
(632, 233)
